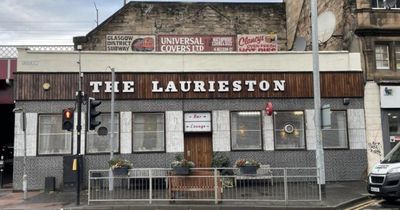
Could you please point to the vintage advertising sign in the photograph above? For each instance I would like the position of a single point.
(141, 43)
(198, 122)
(262, 43)
(194, 43)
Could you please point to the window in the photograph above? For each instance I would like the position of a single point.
(381, 4)
(101, 144)
(336, 135)
(148, 132)
(382, 56)
(387, 55)
(52, 139)
(289, 130)
(246, 130)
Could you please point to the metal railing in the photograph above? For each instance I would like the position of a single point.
(212, 184)
(10, 51)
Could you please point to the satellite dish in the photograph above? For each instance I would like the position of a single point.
(326, 26)
(390, 3)
(299, 44)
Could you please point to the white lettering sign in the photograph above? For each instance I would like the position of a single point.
(192, 86)
(198, 122)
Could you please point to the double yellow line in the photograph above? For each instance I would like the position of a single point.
(365, 204)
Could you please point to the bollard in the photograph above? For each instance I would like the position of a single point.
(1, 178)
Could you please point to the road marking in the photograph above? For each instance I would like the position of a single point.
(365, 204)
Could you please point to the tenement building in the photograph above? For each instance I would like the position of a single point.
(379, 33)
(191, 79)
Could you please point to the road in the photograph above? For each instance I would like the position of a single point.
(375, 203)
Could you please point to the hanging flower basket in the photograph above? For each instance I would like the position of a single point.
(248, 170)
(181, 170)
(121, 171)
(247, 166)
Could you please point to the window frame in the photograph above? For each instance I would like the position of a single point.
(391, 47)
(304, 128)
(164, 139)
(397, 5)
(261, 131)
(347, 132)
(38, 136)
(119, 137)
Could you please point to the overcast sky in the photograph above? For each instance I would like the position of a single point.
(52, 22)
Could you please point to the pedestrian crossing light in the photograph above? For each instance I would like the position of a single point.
(68, 119)
(92, 113)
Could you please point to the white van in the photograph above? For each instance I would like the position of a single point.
(384, 179)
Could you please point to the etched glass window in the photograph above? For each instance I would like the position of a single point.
(51, 138)
(148, 132)
(289, 130)
(246, 130)
(101, 144)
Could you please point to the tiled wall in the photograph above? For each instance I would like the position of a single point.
(336, 160)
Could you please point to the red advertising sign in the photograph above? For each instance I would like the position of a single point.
(194, 43)
(257, 43)
(117, 42)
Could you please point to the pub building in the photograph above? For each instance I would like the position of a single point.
(198, 103)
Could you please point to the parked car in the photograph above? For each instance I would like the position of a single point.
(384, 180)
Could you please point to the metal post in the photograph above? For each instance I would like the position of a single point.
(215, 186)
(150, 186)
(317, 95)
(111, 175)
(79, 129)
(24, 177)
(285, 185)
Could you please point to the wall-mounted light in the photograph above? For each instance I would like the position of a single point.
(46, 86)
(346, 101)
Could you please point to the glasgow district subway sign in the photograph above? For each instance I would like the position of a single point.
(191, 86)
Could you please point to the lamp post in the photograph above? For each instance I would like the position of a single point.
(24, 176)
(319, 152)
(79, 128)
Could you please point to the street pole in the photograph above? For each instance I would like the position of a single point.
(79, 129)
(24, 177)
(111, 181)
(319, 153)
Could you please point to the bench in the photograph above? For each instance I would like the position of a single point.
(263, 173)
(196, 181)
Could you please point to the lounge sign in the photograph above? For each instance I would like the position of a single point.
(198, 122)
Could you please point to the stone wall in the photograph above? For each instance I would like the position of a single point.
(192, 19)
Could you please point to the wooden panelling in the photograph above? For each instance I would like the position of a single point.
(297, 85)
(198, 149)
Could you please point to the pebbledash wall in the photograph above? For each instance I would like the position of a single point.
(341, 77)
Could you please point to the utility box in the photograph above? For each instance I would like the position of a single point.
(69, 174)
(50, 184)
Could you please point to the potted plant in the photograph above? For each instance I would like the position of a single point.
(247, 166)
(120, 166)
(181, 166)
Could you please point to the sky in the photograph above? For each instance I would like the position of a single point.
(55, 22)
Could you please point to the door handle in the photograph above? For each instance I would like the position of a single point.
(188, 153)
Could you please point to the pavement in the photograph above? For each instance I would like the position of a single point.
(338, 196)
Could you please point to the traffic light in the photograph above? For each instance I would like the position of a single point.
(92, 113)
(68, 119)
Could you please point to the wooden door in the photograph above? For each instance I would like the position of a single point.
(198, 148)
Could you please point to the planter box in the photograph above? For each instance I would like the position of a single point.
(248, 170)
(120, 171)
(181, 170)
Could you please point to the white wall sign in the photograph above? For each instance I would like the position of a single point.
(197, 122)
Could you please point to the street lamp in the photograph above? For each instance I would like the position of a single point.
(24, 177)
